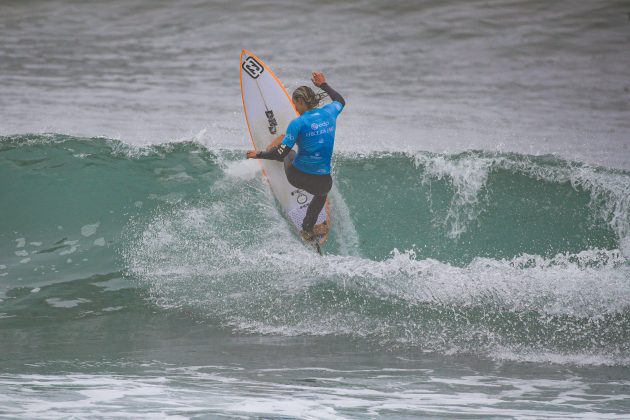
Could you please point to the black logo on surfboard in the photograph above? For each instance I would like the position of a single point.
(301, 197)
(273, 124)
(252, 67)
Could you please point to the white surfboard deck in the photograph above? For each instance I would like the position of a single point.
(268, 111)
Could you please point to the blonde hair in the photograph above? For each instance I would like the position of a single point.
(306, 94)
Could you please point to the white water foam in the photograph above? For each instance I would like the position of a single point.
(61, 303)
(345, 233)
(577, 358)
(224, 391)
(236, 261)
(241, 169)
(90, 229)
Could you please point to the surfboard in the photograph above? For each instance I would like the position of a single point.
(268, 111)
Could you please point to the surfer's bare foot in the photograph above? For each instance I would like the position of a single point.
(321, 229)
(318, 230)
(307, 236)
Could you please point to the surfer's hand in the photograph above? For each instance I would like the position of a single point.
(318, 78)
(251, 154)
(275, 142)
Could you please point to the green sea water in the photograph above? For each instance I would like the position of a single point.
(156, 270)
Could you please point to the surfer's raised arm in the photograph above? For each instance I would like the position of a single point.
(319, 80)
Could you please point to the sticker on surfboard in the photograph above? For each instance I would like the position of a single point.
(252, 67)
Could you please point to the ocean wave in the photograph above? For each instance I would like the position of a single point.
(471, 252)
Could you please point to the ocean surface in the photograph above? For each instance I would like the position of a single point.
(479, 259)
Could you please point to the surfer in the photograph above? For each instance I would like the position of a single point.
(314, 133)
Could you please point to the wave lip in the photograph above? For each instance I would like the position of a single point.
(468, 174)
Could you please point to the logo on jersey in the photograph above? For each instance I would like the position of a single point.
(252, 67)
(271, 119)
(316, 126)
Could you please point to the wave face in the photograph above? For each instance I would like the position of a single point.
(499, 254)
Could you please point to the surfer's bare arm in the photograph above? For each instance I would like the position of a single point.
(276, 153)
(319, 80)
(275, 142)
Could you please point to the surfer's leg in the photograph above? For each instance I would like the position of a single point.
(313, 210)
(319, 187)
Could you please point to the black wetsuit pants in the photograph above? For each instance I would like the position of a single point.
(318, 185)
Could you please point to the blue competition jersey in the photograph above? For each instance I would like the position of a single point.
(314, 133)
